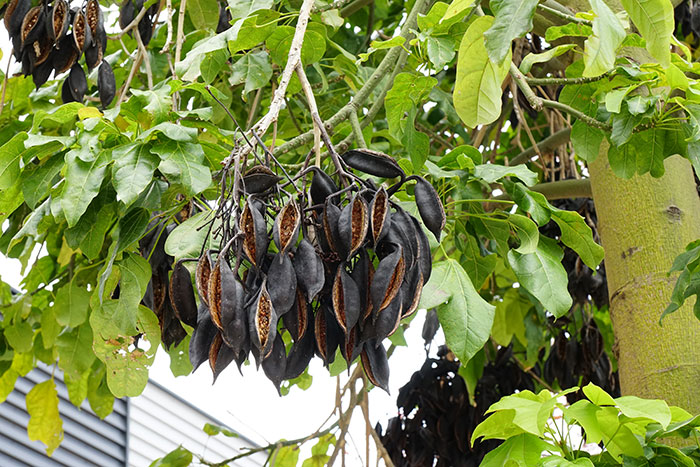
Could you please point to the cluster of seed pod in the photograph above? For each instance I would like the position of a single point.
(336, 268)
(51, 37)
(130, 9)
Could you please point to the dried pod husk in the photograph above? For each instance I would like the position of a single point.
(95, 20)
(202, 337)
(308, 267)
(262, 320)
(296, 321)
(159, 285)
(182, 295)
(127, 14)
(106, 84)
(57, 24)
(387, 320)
(407, 232)
(425, 260)
(93, 55)
(346, 300)
(331, 214)
(410, 292)
(322, 186)
(387, 280)
(300, 354)
(172, 331)
(286, 228)
(352, 347)
(282, 283)
(41, 50)
(82, 37)
(275, 364)
(33, 25)
(380, 215)
(429, 206)
(17, 47)
(220, 355)
(258, 179)
(202, 274)
(14, 16)
(430, 326)
(362, 275)
(255, 239)
(352, 226)
(41, 73)
(373, 163)
(77, 82)
(234, 318)
(64, 55)
(146, 24)
(224, 19)
(376, 364)
(328, 333)
(66, 95)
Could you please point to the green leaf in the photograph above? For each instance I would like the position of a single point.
(441, 51)
(280, 41)
(319, 458)
(82, 183)
(654, 20)
(578, 236)
(417, 143)
(635, 407)
(99, 396)
(213, 430)
(457, 7)
(45, 423)
(180, 358)
(513, 20)
(134, 165)
(645, 152)
(597, 395)
(568, 30)
(20, 336)
(477, 266)
(212, 65)
(10, 155)
(509, 320)
(38, 179)
(131, 227)
(408, 91)
(586, 140)
(608, 34)
(532, 202)
(204, 14)
(491, 173)
(466, 318)
(623, 124)
(585, 414)
(254, 30)
(183, 163)
(71, 304)
(530, 411)
(75, 355)
(286, 456)
(186, 240)
(244, 8)
(522, 450)
(135, 275)
(532, 59)
(179, 457)
(77, 387)
(526, 231)
(253, 69)
(477, 90)
(49, 328)
(542, 274)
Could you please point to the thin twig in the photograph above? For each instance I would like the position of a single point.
(144, 54)
(132, 73)
(550, 142)
(169, 23)
(357, 130)
(134, 23)
(565, 81)
(521, 117)
(4, 84)
(381, 450)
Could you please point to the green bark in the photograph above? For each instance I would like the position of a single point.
(644, 224)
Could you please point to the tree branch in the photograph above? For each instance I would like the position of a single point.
(564, 81)
(549, 143)
(519, 78)
(357, 130)
(562, 15)
(561, 189)
(590, 121)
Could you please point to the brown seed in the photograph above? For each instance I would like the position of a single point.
(353, 223)
(82, 37)
(214, 293)
(286, 228)
(380, 215)
(255, 239)
(32, 25)
(58, 24)
(202, 274)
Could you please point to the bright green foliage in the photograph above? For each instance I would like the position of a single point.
(45, 424)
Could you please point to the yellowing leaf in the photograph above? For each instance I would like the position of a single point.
(89, 112)
(477, 93)
(45, 423)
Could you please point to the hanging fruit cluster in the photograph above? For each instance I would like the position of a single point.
(130, 10)
(435, 417)
(335, 268)
(51, 37)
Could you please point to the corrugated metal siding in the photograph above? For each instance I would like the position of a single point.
(160, 421)
(88, 441)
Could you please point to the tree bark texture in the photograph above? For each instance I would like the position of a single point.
(644, 224)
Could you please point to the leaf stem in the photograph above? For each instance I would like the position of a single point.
(562, 15)
(565, 81)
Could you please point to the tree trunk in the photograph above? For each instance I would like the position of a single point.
(644, 224)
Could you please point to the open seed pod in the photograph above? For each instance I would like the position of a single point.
(262, 320)
(373, 163)
(95, 20)
(182, 295)
(379, 214)
(353, 223)
(58, 21)
(202, 274)
(346, 300)
(331, 214)
(327, 331)
(64, 55)
(33, 26)
(221, 280)
(41, 49)
(296, 320)
(429, 206)
(258, 179)
(82, 36)
(387, 280)
(255, 239)
(376, 364)
(362, 275)
(14, 15)
(286, 228)
(220, 355)
(386, 322)
(106, 84)
(77, 82)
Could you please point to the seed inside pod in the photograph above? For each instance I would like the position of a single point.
(286, 228)
(255, 239)
(58, 24)
(32, 25)
(379, 214)
(214, 293)
(346, 300)
(352, 225)
(82, 37)
(14, 16)
(387, 280)
(264, 321)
